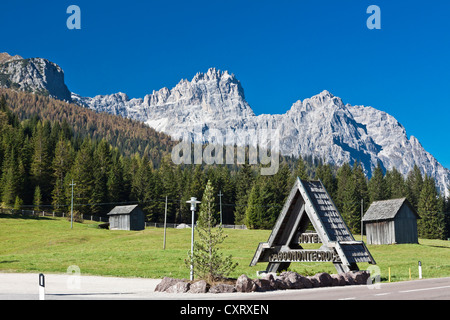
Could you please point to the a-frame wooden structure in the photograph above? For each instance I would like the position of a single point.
(309, 201)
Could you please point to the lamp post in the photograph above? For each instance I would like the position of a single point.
(193, 203)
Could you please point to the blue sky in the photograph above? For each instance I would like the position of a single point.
(281, 51)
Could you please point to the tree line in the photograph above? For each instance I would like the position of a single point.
(40, 158)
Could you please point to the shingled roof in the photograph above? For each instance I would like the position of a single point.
(122, 210)
(387, 209)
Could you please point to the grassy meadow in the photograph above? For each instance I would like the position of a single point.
(49, 245)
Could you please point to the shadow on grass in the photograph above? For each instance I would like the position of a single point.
(24, 216)
(435, 246)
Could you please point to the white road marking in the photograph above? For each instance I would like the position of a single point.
(382, 294)
(424, 289)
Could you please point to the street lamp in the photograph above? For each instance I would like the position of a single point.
(193, 203)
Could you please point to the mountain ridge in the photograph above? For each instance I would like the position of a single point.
(322, 126)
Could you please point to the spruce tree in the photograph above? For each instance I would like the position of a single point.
(209, 264)
(101, 168)
(62, 162)
(377, 185)
(344, 175)
(244, 183)
(10, 180)
(254, 211)
(361, 184)
(351, 206)
(82, 173)
(300, 169)
(37, 201)
(432, 223)
(116, 180)
(18, 204)
(395, 184)
(41, 160)
(414, 182)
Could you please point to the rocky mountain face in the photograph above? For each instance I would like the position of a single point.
(35, 75)
(322, 126)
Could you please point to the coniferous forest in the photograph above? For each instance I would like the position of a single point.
(46, 143)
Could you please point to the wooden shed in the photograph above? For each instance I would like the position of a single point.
(126, 218)
(390, 222)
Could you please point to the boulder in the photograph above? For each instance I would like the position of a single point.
(179, 287)
(166, 283)
(360, 277)
(323, 279)
(200, 286)
(292, 280)
(272, 278)
(348, 276)
(262, 285)
(314, 282)
(338, 280)
(356, 277)
(245, 284)
(222, 288)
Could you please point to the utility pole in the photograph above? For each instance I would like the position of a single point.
(220, 197)
(165, 223)
(71, 207)
(193, 203)
(362, 223)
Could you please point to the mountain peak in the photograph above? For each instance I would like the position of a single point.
(326, 93)
(5, 57)
(213, 74)
(36, 75)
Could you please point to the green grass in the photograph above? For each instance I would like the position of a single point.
(49, 245)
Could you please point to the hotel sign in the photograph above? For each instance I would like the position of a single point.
(310, 204)
(305, 256)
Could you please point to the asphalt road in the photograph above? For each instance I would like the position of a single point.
(69, 287)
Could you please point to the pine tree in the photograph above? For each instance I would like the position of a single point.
(395, 184)
(300, 169)
(351, 206)
(116, 179)
(432, 223)
(254, 212)
(101, 166)
(414, 183)
(170, 188)
(18, 204)
(273, 194)
(82, 174)
(37, 202)
(62, 162)
(10, 180)
(325, 174)
(361, 187)
(244, 183)
(344, 175)
(377, 185)
(40, 165)
(209, 264)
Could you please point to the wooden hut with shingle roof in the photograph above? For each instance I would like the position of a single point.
(390, 222)
(126, 218)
